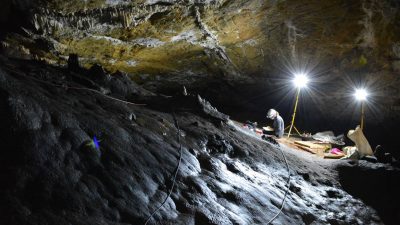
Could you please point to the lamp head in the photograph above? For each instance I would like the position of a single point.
(361, 94)
(300, 80)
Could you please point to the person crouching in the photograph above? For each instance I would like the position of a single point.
(278, 124)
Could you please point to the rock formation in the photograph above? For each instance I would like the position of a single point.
(51, 174)
(73, 71)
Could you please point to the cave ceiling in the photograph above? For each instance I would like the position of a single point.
(190, 40)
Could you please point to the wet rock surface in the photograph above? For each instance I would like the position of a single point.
(50, 175)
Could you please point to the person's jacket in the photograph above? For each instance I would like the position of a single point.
(279, 126)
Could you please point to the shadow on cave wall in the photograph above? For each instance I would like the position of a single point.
(377, 187)
(7, 157)
(7, 140)
(13, 17)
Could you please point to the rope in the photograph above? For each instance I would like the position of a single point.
(76, 88)
(287, 189)
(176, 172)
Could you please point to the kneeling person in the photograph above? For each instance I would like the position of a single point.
(279, 126)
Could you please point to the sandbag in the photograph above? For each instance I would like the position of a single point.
(357, 136)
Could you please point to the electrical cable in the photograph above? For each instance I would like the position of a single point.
(116, 99)
(179, 141)
(176, 172)
(287, 189)
(288, 179)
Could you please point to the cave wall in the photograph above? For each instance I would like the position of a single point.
(248, 49)
(213, 37)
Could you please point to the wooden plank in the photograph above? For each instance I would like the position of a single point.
(315, 145)
(307, 149)
(303, 143)
(315, 148)
(318, 151)
(333, 156)
(311, 148)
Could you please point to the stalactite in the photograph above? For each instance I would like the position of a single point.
(367, 35)
(4, 44)
(213, 44)
(292, 34)
(126, 20)
(120, 16)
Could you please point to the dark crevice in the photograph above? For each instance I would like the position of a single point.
(12, 19)
(377, 187)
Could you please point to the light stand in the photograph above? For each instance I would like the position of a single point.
(294, 115)
(361, 95)
(362, 116)
(299, 81)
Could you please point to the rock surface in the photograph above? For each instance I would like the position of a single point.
(251, 47)
(50, 175)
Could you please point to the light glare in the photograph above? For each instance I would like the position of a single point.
(361, 94)
(300, 80)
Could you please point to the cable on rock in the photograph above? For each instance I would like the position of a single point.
(126, 102)
(179, 141)
(176, 172)
(287, 188)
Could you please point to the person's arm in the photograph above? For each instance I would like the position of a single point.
(281, 127)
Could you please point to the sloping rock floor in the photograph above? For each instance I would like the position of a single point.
(51, 175)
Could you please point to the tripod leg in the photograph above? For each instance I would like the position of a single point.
(294, 112)
(296, 130)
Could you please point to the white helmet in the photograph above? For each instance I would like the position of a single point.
(272, 113)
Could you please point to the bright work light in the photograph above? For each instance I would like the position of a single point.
(300, 80)
(361, 94)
